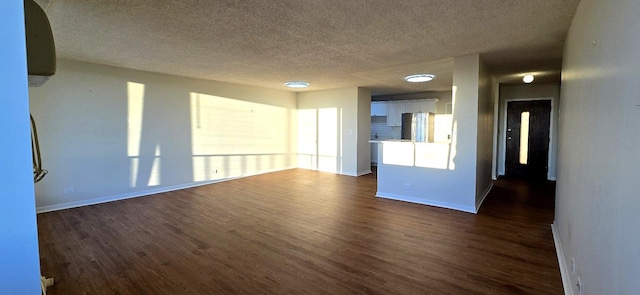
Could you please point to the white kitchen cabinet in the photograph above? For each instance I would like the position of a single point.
(378, 109)
(395, 109)
(394, 113)
(413, 107)
(421, 106)
(428, 106)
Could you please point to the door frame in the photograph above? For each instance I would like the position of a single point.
(502, 159)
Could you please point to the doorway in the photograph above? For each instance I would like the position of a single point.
(527, 138)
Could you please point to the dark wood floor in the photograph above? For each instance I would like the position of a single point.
(302, 232)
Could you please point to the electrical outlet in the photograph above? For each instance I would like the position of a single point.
(407, 185)
(215, 171)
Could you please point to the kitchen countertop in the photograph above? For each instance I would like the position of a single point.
(403, 140)
(380, 140)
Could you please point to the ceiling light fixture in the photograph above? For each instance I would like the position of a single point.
(297, 84)
(419, 78)
(528, 78)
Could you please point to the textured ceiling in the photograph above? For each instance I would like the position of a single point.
(328, 43)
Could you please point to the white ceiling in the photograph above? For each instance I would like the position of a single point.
(328, 43)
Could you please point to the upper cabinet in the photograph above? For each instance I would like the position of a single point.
(394, 109)
(421, 106)
(394, 113)
(378, 109)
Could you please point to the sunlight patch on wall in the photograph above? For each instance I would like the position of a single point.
(133, 171)
(436, 155)
(398, 153)
(154, 176)
(135, 104)
(204, 168)
(307, 139)
(135, 109)
(328, 140)
(431, 155)
(319, 139)
(454, 143)
(232, 137)
(454, 129)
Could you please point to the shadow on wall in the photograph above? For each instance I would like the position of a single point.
(109, 133)
(157, 145)
(222, 138)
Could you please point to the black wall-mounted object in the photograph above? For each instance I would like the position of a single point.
(41, 50)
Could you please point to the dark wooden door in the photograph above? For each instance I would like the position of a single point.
(527, 151)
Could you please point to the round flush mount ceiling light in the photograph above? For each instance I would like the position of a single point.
(419, 78)
(528, 78)
(297, 84)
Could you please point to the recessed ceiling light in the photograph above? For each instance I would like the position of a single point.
(297, 84)
(419, 78)
(528, 78)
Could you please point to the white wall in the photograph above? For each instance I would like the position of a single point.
(486, 136)
(441, 174)
(328, 130)
(109, 133)
(466, 89)
(598, 189)
(19, 259)
(364, 129)
(524, 92)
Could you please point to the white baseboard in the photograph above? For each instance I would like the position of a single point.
(440, 204)
(165, 189)
(364, 172)
(107, 199)
(484, 196)
(564, 269)
(354, 174)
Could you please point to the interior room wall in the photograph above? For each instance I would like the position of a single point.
(454, 185)
(328, 130)
(19, 257)
(110, 133)
(485, 137)
(364, 128)
(597, 199)
(530, 91)
(465, 99)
